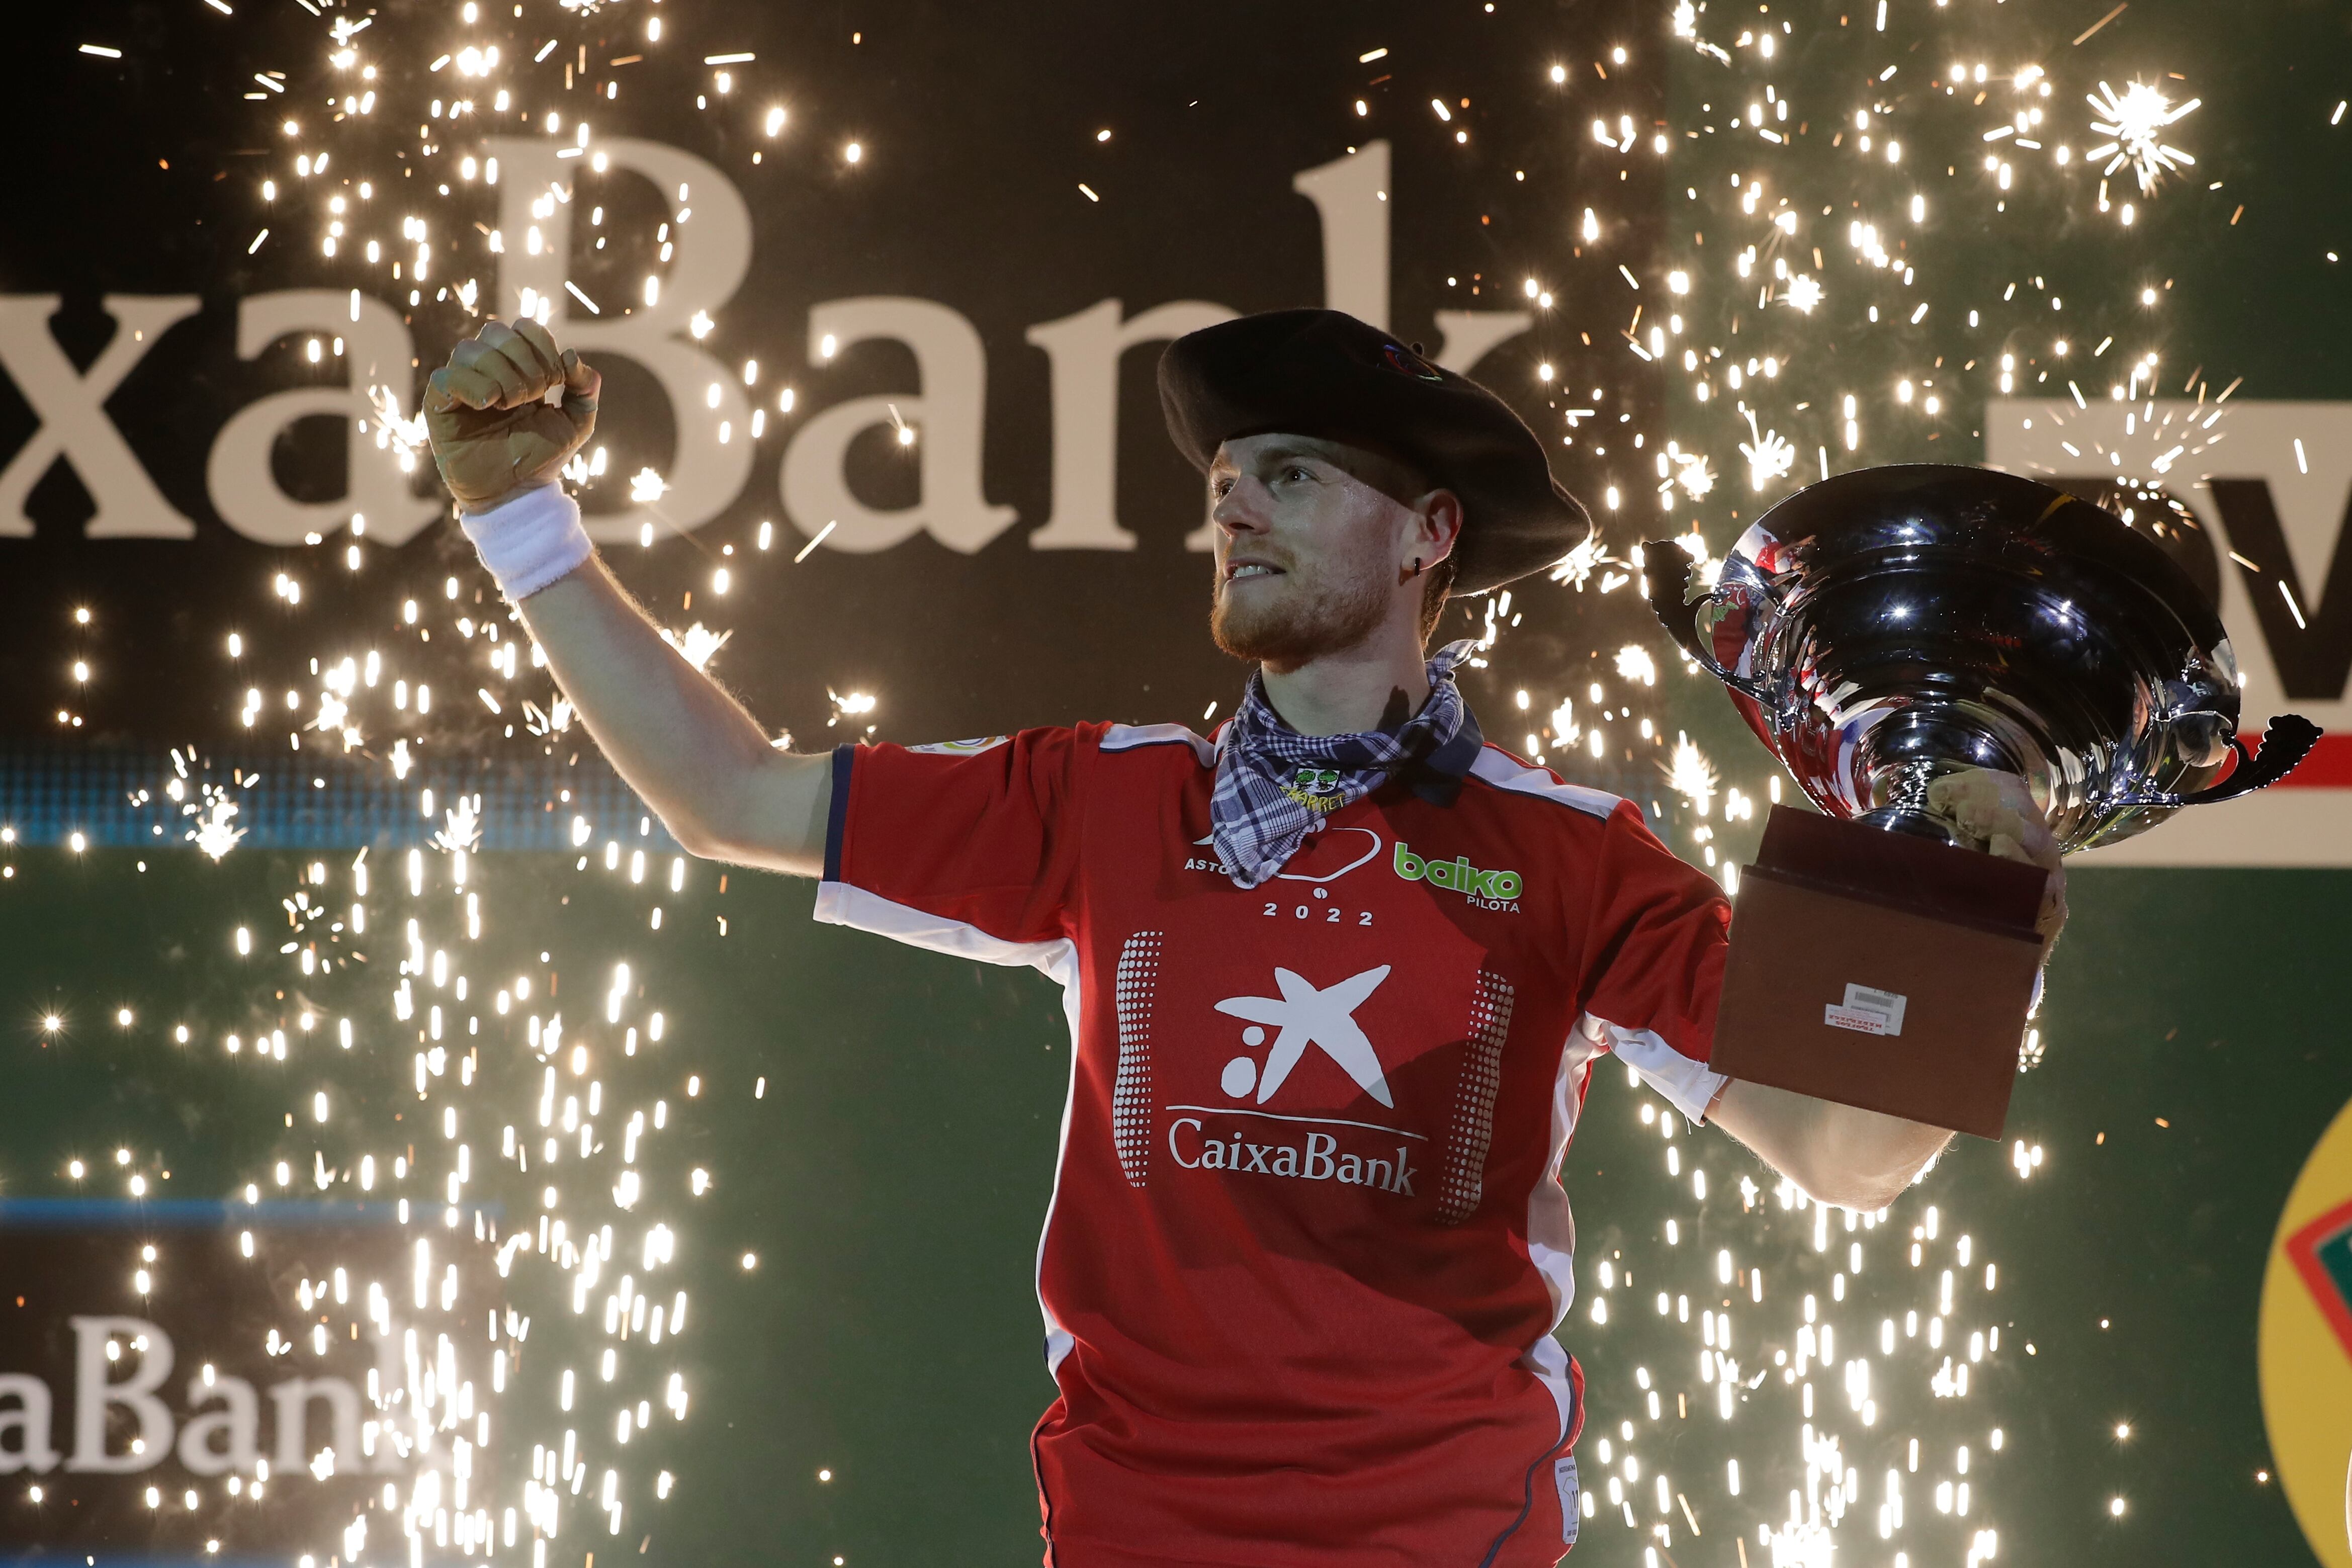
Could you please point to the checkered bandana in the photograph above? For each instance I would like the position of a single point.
(1275, 785)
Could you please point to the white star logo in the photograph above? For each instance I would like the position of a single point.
(1307, 1017)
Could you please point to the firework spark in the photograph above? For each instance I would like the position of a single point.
(697, 645)
(1690, 775)
(1578, 564)
(212, 834)
(2136, 120)
(1691, 472)
(1769, 456)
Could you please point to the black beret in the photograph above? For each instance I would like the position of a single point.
(1326, 374)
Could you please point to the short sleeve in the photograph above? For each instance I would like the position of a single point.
(967, 847)
(1653, 962)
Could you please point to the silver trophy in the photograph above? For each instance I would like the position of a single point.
(1889, 625)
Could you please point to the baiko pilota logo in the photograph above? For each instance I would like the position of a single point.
(1487, 888)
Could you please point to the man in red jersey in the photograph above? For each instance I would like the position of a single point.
(1336, 978)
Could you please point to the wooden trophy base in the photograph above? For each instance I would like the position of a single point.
(1880, 969)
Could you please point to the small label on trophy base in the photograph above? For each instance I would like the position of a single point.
(1888, 1005)
(1860, 1020)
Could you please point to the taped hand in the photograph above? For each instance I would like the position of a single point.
(486, 411)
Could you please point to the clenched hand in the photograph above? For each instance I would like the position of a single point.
(493, 430)
(1997, 811)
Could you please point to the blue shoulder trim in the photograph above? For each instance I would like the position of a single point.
(836, 814)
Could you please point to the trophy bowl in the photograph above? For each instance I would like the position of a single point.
(1892, 625)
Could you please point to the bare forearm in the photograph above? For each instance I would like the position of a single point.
(505, 415)
(1837, 1153)
(680, 741)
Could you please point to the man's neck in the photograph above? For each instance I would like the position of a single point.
(1376, 684)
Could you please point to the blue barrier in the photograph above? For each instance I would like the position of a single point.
(116, 796)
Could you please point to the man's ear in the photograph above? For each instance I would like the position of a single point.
(1441, 516)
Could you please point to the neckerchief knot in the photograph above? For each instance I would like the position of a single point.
(1275, 785)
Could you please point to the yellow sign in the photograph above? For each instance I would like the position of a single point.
(2305, 1344)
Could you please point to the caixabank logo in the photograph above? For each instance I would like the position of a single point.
(2305, 1346)
(250, 1383)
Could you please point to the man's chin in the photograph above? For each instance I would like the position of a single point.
(1251, 643)
(1278, 636)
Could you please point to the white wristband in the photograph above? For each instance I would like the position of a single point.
(529, 540)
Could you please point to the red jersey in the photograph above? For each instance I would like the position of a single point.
(1308, 1243)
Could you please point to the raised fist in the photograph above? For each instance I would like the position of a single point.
(493, 429)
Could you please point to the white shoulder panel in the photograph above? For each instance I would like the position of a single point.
(1128, 737)
(963, 748)
(1689, 1085)
(1502, 770)
(1551, 1226)
(842, 904)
